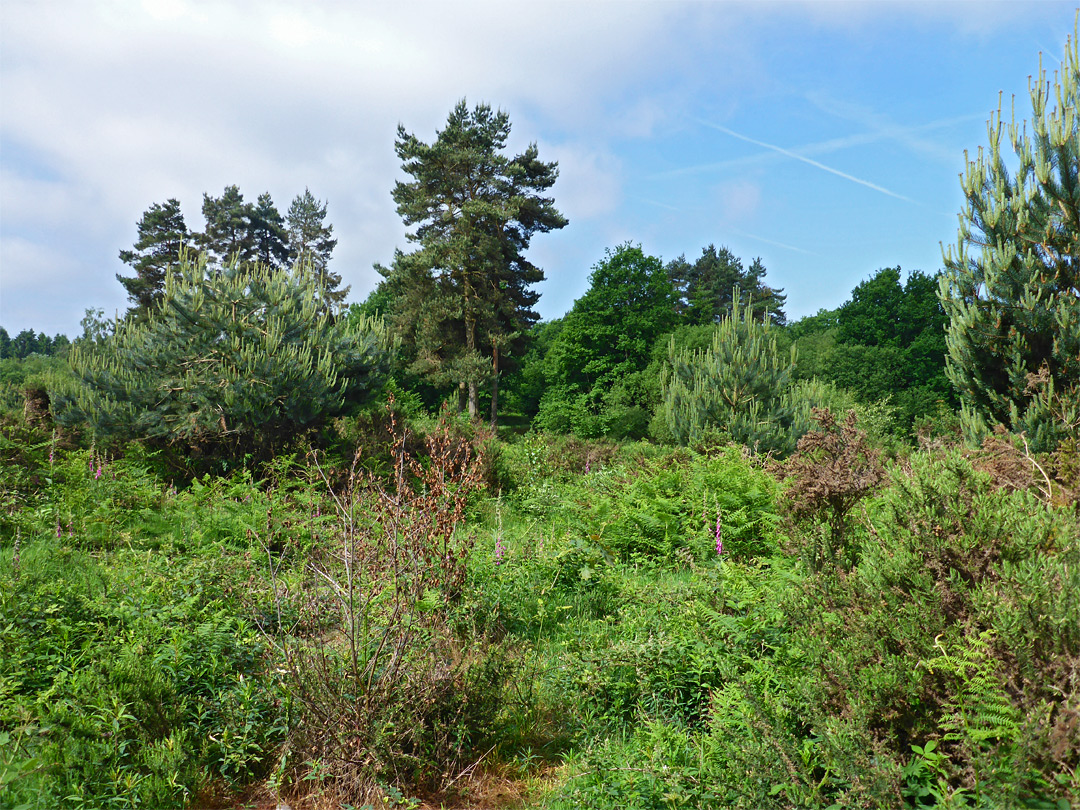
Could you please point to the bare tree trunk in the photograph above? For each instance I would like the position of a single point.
(474, 400)
(462, 396)
(470, 344)
(495, 385)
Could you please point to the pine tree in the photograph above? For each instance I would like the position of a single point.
(234, 361)
(462, 298)
(739, 385)
(163, 236)
(268, 233)
(311, 242)
(704, 288)
(28, 342)
(1012, 284)
(230, 231)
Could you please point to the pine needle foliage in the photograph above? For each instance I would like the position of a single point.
(1011, 283)
(463, 297)
(736, 385)
(234, 362)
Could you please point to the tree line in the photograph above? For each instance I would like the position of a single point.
(236, 231)
(28, 342)
(997, 332)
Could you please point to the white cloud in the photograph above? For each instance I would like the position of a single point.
(589, 183)
(121, 104)
(111, 105)
(739, 201)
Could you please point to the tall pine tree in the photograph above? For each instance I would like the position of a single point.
(230, 228)
(163, 237)
(1012, 283)
(268, 233)
(311, 241)
(463, 297)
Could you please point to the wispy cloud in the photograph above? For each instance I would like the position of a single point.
(809, 161)
(773, 242)
(881, 127)
(907, 136)
(656, 204)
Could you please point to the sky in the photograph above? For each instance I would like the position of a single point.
(826, 138)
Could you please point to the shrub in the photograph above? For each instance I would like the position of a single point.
(677, 503)
(126, 683)
(833, 469)
(233, 362)
(957, 626)
(388, 692)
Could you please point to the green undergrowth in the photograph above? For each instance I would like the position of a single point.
(131, 670)
(603, 625)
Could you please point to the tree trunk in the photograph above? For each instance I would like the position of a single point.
(462, 396)
(470, 344)
(474, 400)
(495, 386)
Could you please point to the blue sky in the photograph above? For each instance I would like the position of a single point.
(826, 138)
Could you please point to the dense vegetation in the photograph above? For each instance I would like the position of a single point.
(255, 549)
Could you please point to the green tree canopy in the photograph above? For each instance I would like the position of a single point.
(595, 364)
(229, 233)
(1012, 282)
(703, 289)
(887, 341)
(463, 300)
(28, 342)
(268, 234)
(234, 361)
(163, 236)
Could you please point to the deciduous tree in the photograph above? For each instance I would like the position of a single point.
(595, 364)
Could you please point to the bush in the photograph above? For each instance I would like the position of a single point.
(388, 691)
(957, 627)
(680, 503)
(832, 470)
(127, 682)
(232, 363)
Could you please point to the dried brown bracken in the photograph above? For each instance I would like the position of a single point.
(831, 470)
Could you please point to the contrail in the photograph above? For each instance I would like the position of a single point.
(647, 201)
(773, 242)
(814, 163)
